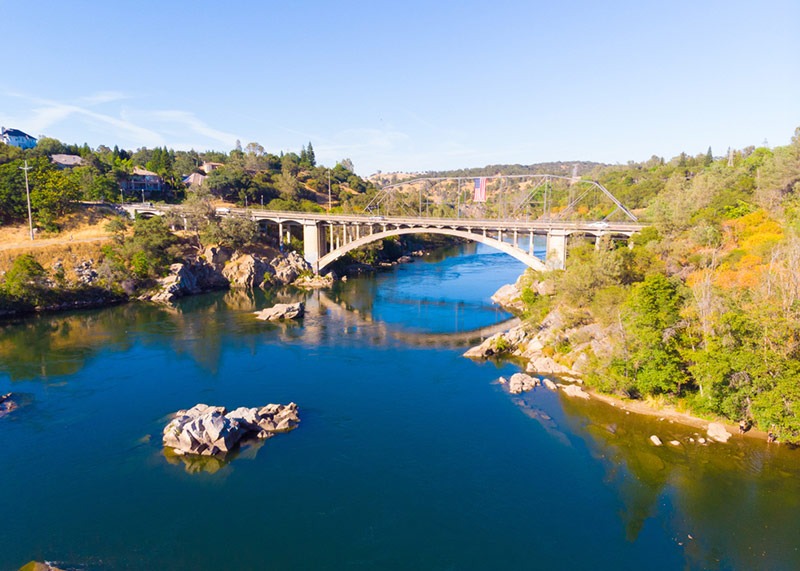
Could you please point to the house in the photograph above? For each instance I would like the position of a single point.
(207, 167)
(66, 161)
(17, 138)
(142, 180)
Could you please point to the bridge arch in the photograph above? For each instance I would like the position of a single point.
(526, 258)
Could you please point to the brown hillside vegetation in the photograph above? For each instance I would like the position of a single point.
(81, 238)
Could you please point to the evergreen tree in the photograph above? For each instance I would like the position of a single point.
(312, 159)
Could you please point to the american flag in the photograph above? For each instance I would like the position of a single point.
(480, 190)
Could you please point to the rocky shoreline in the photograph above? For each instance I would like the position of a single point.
(215, 268)
(533, 345)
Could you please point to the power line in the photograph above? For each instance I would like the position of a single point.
(26, 168)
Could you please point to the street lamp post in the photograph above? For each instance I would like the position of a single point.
(26, 168)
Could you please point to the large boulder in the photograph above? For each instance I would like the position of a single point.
(314, 281)
(213, 431)
(282, 311)
(520, 382)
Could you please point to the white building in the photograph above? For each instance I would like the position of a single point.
(17, 138)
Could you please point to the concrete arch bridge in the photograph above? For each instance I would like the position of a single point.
(328, 237)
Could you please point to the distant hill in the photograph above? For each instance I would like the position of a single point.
(565, 168)
(560, 167)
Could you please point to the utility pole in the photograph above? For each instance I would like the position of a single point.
(329, 191)
(26, 168)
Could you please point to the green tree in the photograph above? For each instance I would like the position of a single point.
(52, 194)
(26, 279)
(654, 334)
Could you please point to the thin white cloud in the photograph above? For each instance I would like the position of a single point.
(184, 120)
(129, 125)
(104, 97)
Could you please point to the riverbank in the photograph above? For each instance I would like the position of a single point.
(81, 269)
(533, 345)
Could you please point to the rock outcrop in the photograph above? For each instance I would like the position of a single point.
(288, 267)
(180, 281)
(188, 278)
(282, 311)
(213, 431)
(508, 343)
(537, 345)
(247, 270)
(508, 296)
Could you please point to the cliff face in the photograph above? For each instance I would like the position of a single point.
(220, 268)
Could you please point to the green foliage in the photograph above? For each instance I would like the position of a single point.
(654, 333)
(143, 256)
(26, 279)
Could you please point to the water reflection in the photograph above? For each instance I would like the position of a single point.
(56, 346)
(726, 503)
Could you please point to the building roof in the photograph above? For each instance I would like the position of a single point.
(15, 133)
(194, 179)
(143, 172)
(67, 160)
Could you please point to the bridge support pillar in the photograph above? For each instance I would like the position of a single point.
(556, 249)
(314, 246)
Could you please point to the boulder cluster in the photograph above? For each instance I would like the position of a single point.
(220, 268)
(213, 431)
(520, 382)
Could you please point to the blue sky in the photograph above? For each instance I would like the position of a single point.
(407, 86)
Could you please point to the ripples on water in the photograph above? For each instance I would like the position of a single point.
(407, 456)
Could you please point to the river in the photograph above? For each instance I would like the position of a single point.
(408, 456)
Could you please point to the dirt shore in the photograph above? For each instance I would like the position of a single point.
(668, 412)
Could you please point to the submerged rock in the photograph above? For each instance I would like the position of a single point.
(655, 440)
(716, 431)
(282, 311)
(574, 391)
(7, 404)
(213, 431)
(550, 384)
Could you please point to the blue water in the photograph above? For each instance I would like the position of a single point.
(408, 456)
